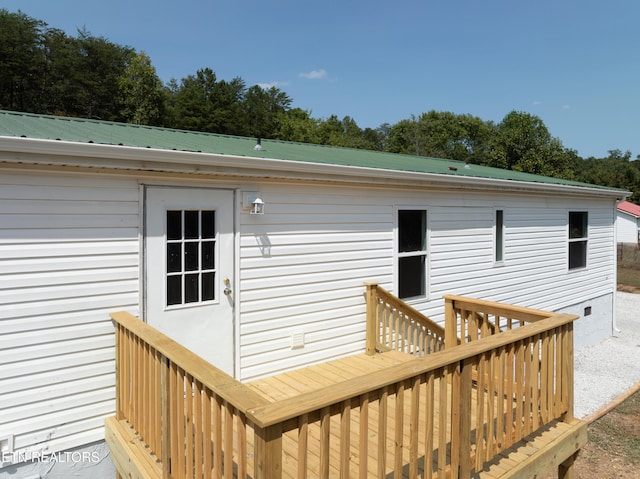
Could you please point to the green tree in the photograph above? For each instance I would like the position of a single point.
(61, 74)
(616, 170)
(203, 103)
(297, 125)
(442, 135)
(142, 96)
(263, 109)
(522, 142)
(227, 98)
(193, 109)
(21, 62)
(101, 64)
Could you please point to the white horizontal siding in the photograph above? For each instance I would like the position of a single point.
(627, 228)
(68, 256)
(303, 263)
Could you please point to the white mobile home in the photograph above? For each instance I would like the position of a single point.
(99, 217)
(628, 223)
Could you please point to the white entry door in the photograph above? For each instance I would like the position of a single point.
(189, 262)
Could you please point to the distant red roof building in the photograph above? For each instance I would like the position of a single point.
(630, 208)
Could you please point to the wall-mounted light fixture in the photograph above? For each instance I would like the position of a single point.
(252, 202)
(257, 207)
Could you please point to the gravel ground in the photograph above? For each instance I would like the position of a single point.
(605, 370)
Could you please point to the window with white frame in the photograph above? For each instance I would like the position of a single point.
(578, 234)
(499, 238)
(412, 253)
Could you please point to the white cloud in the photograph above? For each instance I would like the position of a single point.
(268, 85)
(537, 102)
(566, 107)
(314, 74)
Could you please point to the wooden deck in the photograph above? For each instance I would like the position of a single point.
(496, 403)
(527, 458)
(523, 459)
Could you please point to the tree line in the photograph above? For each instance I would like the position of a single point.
(44, 70)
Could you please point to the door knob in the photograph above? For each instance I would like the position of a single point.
(227, 289)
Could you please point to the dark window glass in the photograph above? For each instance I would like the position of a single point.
(577, 224)
(208, 224)
(174, 225)
(208, 292)
(411, 230)
(174, 257)
(499, 235)
(411, 274)
(191, 288)
(174, 290)
(191, 225)
(191, 256)
(208, 257)
(578, 254)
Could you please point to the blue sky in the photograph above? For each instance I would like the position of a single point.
(575, 64)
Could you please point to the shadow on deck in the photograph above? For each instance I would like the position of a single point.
(490, 395)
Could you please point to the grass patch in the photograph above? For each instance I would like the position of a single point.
(618, 433)
(628, 266)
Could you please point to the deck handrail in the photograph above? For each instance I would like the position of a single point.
(468, 319)
(393, 324)
(195, 418)
(285, 409)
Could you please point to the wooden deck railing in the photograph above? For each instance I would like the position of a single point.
(424, 417)
(468, 319)
(441, 427)
(192, 416)
(394, 325)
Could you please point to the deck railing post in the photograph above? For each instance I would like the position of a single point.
(450, 324)
(464, 445)
(372, 317)
(118, 347)
(566, 470)
(165, 417)
(268, 452)
(568, 355)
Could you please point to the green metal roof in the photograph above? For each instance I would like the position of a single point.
(14, 124)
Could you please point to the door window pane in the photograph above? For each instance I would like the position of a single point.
(208, 289)
(174, 257)
(208, 257)
(191, 256)
(191, 288)
(174, 290)
(191, 226)
(208, 224)
(174, 225)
